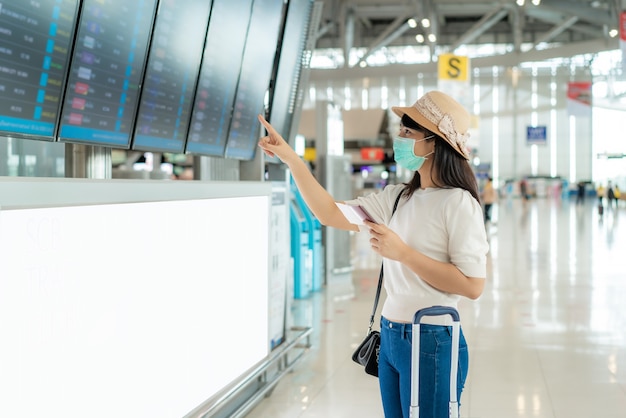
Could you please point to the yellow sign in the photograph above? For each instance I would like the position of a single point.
(453, 67)
(309, 154)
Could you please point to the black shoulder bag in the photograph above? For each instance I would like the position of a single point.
(367, 352)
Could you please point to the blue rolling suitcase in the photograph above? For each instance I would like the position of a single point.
(415, 357)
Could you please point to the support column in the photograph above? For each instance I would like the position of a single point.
(334, 172)
(253, 170)
(87, 161)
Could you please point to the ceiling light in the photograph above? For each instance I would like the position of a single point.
(425, 23)
(613, 33)
(520, 2)
(412, 23)
(536, 2)
(419, 38)
(432, 37)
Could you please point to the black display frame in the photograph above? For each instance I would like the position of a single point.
(255, 78)
(91, 136)
(196, 143)
(151, 141)
(287, 77)
(51, 132)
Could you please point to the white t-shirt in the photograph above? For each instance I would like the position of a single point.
(443, 224)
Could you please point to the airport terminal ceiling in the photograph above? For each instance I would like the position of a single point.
(525, 27)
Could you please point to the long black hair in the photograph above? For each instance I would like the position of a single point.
(453, 170)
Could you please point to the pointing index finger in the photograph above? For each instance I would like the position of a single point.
(267, 125)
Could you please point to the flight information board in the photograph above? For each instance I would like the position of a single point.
(171, 74)
(284, 92)
(35, 37)
(105, 72)
(256, 71)
(215, 95)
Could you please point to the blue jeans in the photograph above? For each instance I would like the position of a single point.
(394, 369)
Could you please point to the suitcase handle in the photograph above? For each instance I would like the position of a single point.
(436, 311)
(453, 406)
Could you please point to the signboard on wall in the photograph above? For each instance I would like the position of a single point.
(622, 36)
(453, 67)
(579, 98)
(536, 135)
(453, 78)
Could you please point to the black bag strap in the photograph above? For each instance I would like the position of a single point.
(380, 277)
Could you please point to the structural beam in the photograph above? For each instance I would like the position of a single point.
(393, 31)
(554, 32)
(557, 19)
(504, 60)
(323, 30)
(516, 17)
(347, 28)
(480, 27)
(587, 13)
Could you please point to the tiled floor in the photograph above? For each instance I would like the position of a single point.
(547, 338)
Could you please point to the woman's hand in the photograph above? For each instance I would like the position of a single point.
(386, 242)
(443, 276)
(274, 144)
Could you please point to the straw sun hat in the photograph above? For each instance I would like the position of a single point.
(442, 115)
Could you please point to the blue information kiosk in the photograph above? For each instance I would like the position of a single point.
(300, 251)
(314, 241)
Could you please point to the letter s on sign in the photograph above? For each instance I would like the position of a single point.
(454, 70)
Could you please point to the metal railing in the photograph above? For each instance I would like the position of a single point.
(238, 399)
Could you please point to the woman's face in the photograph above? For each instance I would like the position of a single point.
(420, 147)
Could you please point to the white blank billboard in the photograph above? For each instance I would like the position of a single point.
(130, 309)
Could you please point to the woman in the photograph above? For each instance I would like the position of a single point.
(434, 247)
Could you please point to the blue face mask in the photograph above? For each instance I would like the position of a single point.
(404, 154)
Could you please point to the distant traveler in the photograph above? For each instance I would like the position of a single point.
(523, 190)
(580, 194)
(611, 200)
(434, 247)
(600, 192)
(488, 196)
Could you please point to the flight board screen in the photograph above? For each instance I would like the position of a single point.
(106, 71)
(171, 73)
(256, 71)
(35, 37)
(223, 54)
